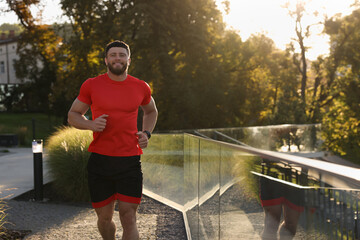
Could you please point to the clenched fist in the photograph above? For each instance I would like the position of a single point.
(142, 139)
(99, 123)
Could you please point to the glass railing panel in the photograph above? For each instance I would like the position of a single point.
(284, 138)
(318, 205)
(240, 209)
(163, 166)
(335, 213)
(191, 181)
(221, 189)
(209, 198)
(282, 197)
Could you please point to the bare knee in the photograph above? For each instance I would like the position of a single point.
(105, 214)
(128, 217)
(104, 219)
(127, 212)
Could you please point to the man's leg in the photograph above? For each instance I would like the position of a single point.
(272, 221)
(105, 222)
(288, 227)
(127, 213)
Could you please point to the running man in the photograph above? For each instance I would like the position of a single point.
(114, 167)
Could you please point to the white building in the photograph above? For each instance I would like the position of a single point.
(8, 45)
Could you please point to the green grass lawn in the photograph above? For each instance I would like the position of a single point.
(21, 124)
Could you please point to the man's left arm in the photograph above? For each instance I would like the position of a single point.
(149, 122)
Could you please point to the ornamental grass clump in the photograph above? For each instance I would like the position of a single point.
(2, 217)
(67, 160)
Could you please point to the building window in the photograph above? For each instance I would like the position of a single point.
(2, 67)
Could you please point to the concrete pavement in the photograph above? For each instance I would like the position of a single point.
(17, 171)
(47, 220)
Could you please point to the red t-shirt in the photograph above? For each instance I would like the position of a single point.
(119, 100)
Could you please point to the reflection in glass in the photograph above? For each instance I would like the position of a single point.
(209, 190)
(191, 180)
(241, 215)
(283, 202)
(163, 169)
(228, 192)
(282, 138)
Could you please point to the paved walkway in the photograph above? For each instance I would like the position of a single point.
(17, 172)
(65, 221)
(59, 222)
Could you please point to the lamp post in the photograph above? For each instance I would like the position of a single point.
(37, 148)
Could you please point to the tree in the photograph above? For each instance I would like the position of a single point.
(299, 59)
(79, 54)
(340, 97)
(273, 84)
(174, 52)
(202, 75)
(197, 70)
(36, 61)
(309, 103)
(287, 103)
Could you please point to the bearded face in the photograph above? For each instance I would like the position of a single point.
(117, 69)
(117, 60)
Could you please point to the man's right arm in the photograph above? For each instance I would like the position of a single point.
(77, 119)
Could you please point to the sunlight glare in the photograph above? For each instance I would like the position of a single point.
(270, 18)
(51, 12)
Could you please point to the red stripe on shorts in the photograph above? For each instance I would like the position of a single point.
(116, 196)
(272, 202)
(103, 203)
(282, 200)
(293, 206)
(128, 199)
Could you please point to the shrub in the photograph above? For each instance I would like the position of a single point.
(67, 161)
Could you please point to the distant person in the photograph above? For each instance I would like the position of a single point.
(280, 201)
(114, 167)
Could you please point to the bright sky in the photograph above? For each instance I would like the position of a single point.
(51, 12)
(247, 17)
(269, 17)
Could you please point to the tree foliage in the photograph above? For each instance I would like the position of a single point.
(302, 32)
(36, 51)
(202, 75)
(341, 120)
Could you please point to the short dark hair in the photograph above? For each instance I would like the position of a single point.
(117, 43)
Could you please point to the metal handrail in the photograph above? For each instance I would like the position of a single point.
(349, 174)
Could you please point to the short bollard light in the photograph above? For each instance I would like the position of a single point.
(37, 148)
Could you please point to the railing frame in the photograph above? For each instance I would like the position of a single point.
(350, 176)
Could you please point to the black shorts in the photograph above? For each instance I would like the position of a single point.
(114, 178)
(276, 193)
